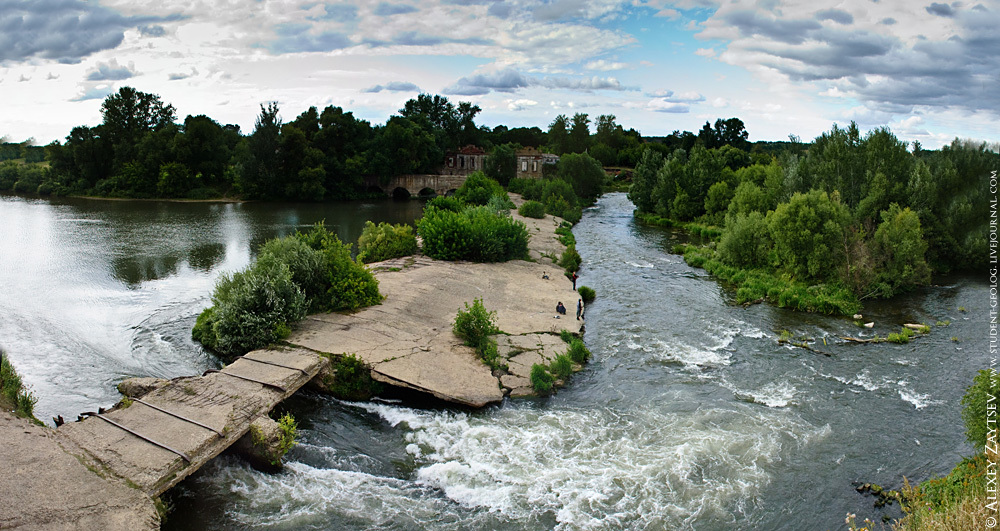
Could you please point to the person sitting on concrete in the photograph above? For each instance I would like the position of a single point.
(545, 276)
(560, 309)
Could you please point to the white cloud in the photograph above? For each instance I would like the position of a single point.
(605, 66)
(705, 52)
(520, 105)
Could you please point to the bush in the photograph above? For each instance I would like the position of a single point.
(478, 189)
(562, 367)
(532, 209)
(384, 241)
(475, 324)
(500, 204)
(566, 335)
(578, 352)
(255, 307)
(12, 390)
(204, 329)
(445, 203)
(541, 379)
(347, 285)
(475, 234)
(306, 264)
(353, 379)
(566, 236)
(974, 410)
(570, 260)
(587, 294)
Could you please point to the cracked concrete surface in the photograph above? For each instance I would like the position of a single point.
(408, 339)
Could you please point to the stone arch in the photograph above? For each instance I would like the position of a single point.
(427, 192)
(401, 193)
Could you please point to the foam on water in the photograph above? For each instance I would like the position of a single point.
(598, 469)
(774, 394)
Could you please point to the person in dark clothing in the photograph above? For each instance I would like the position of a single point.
(574, 277)
(560, 309)
(579, 309)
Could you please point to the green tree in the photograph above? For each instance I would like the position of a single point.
(205, 148)
(261, 158)
(128, 115)
(746, 240)
(559, 135)
(899, 250)
(808, 233)
(584, 173)
(644, 179)
(579, 134)
(501, 164)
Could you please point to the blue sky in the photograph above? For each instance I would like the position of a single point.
(928, 70)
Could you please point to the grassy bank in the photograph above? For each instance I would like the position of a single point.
(756, 285)
(709, 232)
(13, 395)
(955, 502)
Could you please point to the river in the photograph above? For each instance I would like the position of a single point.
(690, 416)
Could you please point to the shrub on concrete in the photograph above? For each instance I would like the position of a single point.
(578, 352)
(353, 379)
(384, 241)
(587, 294)
(348, 284)
(475, 324)
(532, 209)
(541, 379)
(476, 234)
(562, 367)
(255, 307)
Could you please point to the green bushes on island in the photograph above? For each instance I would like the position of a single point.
(542, 380)
(474, 326)
(474, 233)
(384, 241)
(13, 395)
(304, 272)
(532, 209)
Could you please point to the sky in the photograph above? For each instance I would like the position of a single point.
(928, 70)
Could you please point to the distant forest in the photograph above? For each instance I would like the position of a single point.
(139, 150)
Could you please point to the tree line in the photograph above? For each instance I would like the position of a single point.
(866, 213)
(140, 150)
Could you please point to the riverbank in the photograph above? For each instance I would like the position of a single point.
(408, 340)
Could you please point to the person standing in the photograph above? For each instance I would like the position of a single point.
(579, 309)
(574, 277)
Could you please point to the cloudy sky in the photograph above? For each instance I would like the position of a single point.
(929, 70)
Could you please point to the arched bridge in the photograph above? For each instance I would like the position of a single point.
(414, 185)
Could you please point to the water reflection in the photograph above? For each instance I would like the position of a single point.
(93, 291)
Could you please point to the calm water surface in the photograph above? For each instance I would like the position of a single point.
(690, 416)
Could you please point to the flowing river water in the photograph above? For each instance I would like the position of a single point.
(691, 415)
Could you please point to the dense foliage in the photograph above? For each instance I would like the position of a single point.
(864, 214)
(384, 241)
(475, 233)
(532, 209)
(304, 272)
(975, 403)
(352, 379)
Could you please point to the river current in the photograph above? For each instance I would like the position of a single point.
(691, 415)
